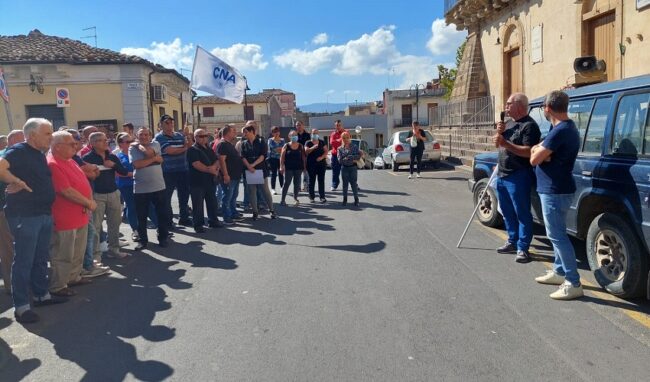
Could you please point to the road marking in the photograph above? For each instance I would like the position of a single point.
(611, 300)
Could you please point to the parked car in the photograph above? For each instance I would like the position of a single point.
(611, 206)
(379, 160)
(398, 151)
(363, 145)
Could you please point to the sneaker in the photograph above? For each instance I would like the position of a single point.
(508, 247)
(550, 278)
(567, 291)
(187, 222)
(312, 200)
(119, 255)
(135, 236)
(410, 176)
(274, 215)
(523, 257)
(418, 176)
(103, 246)
(332, 188)
(296, 201)
(28, 317)
(94, 272)
(323, 200)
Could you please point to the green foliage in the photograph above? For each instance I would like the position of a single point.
(448, 76)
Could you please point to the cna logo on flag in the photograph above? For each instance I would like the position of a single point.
(214, 76)
(4, 92)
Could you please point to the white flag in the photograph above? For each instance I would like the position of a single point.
(214, 76)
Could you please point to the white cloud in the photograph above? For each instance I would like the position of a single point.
(370, 53)
(242, 56)
(320, 39)
(177, 55)
(330, 92)
(170, 55)
(444, 39)
(351, 92)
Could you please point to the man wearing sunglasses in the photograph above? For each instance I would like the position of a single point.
(204, 167)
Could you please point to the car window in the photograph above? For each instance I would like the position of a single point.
(537, 114)
(402, 136)
(428, 135)
(579, 111)
(593, 143)
(630, 120)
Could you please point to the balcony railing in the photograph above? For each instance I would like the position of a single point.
(470, 113)
(449, 4)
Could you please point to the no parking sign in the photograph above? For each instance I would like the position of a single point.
(62, 97)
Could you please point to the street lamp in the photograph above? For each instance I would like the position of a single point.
(245, 101)
(417, 98)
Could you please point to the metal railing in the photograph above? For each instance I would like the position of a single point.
(449, 4)
(470, 113)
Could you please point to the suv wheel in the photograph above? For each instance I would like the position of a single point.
(619, 262)
(487, 211)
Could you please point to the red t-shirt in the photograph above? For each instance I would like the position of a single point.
(335, 140)
(65, 174)
(85, 150)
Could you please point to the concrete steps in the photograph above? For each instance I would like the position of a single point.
(462, 143)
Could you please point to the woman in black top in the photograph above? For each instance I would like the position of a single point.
(292, 164)
(417, 150)
(316, 151)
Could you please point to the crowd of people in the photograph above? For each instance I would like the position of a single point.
(65, 193)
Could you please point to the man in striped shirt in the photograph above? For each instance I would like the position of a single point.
(174, 145)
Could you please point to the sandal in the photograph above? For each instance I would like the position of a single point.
(65, 292)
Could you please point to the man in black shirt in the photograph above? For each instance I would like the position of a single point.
(28, 209)
(303, 138)
(515, 176)
(231, 166)
(204, 167)
(106, 195)
(253, 153)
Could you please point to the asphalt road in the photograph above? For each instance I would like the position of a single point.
(327, 293)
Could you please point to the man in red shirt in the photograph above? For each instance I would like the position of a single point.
(70, 213)
(335, 143)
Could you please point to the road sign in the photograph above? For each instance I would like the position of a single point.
(62, 97)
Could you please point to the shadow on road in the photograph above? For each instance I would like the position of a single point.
(363, 248)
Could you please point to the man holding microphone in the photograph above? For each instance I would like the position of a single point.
(515, 175)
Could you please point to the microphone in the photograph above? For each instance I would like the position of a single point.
(502, 116)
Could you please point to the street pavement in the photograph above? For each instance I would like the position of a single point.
(326, 293)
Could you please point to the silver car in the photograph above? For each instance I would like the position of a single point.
(398, 151)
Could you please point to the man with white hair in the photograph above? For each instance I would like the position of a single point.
(6, 240)
(71, 209)
(28, 208)
(106, 194)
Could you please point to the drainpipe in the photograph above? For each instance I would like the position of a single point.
(150, 103)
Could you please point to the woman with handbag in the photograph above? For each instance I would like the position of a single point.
(348, 156)
(416, 139)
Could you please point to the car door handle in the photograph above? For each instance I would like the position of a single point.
(586, 173)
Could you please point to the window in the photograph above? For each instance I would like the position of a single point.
(593, 142)
(208, 112)
(630, 121)
(579, 111)
(379, 140)
(537, 113)
(161, 110)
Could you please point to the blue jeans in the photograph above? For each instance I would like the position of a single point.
(336, 171)
(90, 247)
(513, 192)
(31, 253)
(181, 182)
(349, 175)
(229, 199)
(554, 209)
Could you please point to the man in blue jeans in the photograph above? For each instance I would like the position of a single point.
(28, 209)
(554, 158)
(232, 168)
(515, 176)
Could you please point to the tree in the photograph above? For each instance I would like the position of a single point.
(448, 76)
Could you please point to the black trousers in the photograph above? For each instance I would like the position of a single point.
(142, 203)
(316, 172)
(204, 194)
(274, 165)
(416, 155)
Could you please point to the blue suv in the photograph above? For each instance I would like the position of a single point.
(611, 206)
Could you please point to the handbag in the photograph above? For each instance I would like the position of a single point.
(413, 141)
(361, 163)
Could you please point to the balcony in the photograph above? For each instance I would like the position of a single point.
(468, 13)
(449, 4)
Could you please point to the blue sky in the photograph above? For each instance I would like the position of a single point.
(334, 51)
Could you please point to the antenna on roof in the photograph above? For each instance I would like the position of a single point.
(94, 35)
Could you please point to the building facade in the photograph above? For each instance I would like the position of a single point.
(104, 88)
(404, 106)
(530, 45)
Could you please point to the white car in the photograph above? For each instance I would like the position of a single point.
(379, 160)
(398, 151)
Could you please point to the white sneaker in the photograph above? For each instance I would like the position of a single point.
(418, 176)
(567, 292)
(94, 272)
(103, 246)
(296, 201)
(550, 278)
(410, 176)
